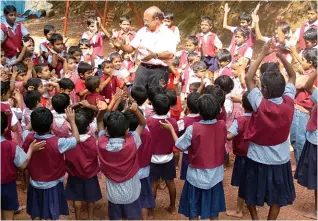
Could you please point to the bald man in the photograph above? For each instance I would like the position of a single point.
(155, 45)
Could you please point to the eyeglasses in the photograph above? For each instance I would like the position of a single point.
(148, 22)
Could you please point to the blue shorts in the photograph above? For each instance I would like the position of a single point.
(9, 197)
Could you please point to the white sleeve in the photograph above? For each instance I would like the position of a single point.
(137, 39)
(84, 36)
(14, 119)
(24, 31)
(177, 34)
(3, 36)
(218, 43)
(296, 35)
(232, 28)
(228, 105)
(249, 53)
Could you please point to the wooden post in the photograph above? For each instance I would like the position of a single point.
(66, 17)
(105, 12)
(139, 20)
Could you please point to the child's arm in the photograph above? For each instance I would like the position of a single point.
(85, 103)
(108, 35)
(230, 136)
(92, 56)
(29, 72)
(288, 67)
(168, 126)
(105, 83)
(140, 117)
(102, 107)
(255, 13)
(83, 93)
(65, 67)
(232, 131)
(226, 12)
(54, 60)
(18, 97)
(309, 86)
(117, 100)
(70, 117)
(33, 148)
(13, 78)
(20, 57)
(202, 86)
(258, 33)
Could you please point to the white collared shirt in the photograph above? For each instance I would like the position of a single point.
(297, 32)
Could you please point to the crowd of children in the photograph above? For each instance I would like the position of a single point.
(71, 113)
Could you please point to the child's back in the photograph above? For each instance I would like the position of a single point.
(60, 126)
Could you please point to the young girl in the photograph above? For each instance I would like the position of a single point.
(48, 30)
(267, 175)
(241, 47)
(190, 46)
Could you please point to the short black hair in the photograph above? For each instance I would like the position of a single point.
(193, 39)
(207, 19)
(161, 104)
(56, 37)
(104, 63)
(66, 83)
(269, 66)
(192, 102)
(84, 41)
(91, 20)
(39, 68)
(124, 18)
(4, 122)
(114, 55)
(9, 9)
(69, 57)
(82, 123)
(172, 94)
(196, 85)
(217, 92)
(245, 16)
(274, 82)
(168, 15)
(245, 32)
(83, 67)
(5, 87)
(285, 27)
(74, 49)
(34, 82)
(246, 103)
(27, 38)
(21, 68)
(208, 106)
(152, 91)
(310, 34)
(41, 120)
(310, 55)
(312, 6)
(133, 120)
(225, 82)
(92, 83)
(60, 102)
(89, 113)
(48, 28)
(139, 93)
(192, 56)
(198, 66)
(224, 55)
(31, 99)
(117, 124)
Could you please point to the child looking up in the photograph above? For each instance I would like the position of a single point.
(120, 72)
(125, 33)
(76, 52)
(84, 70)
(168, 21)
(57, 53)
(48, 31)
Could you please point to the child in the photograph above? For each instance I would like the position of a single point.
(152, 92)
(21, 75)
(70, 72)
(241, 47)
(35, 84)
(67, 87)
(87, 53)
(209, 43)
(48, 182)
(245, 19)
(174, 75)
(128, 64)
(224, 60)
(120, 72)
(139, 94)
(168, 21)
(12, 157)
(190, 46)
(84, 70)
(199, 71)
(162, 162)
(125, 33)
(30, 49)
(122, 183)
(306, 172)
(48, 31)
(76, 52)
(57, 53)
(82, 166)
(92, 84)
(32, 100)
(203, 193)
(11, 33)
(240, 146)
(60, 126)
(267, 175)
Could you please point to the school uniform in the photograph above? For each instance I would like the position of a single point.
(60, 126)
(59, 63)
(299, 33)
(251, 38)
(97, 43)
(46, 198)
(240, 146)
(306, 172)
(123, 36)
(79, 87)
(12, 119)
(162, 162)
(110, 88)
(203, 193)
(183, 124)
(26, 117)
(44, 47)
(243, 50)
(119, 163)
(82, 167)
(267, 175)
(222, 114)
(210, 43)
(92, 98)
(12, 156)
(226, 70)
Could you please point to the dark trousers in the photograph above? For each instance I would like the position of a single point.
(150, 77)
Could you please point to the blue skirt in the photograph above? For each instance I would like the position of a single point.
(306, 172)
(184, 166)
(262, 183)
(212, 63)
(196, 202)
(146, 198)
(9, 196)
(121, 211)
(47, 203)
(87, 190)
(238, 170)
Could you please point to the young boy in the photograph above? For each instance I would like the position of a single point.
(67, 87)
(190, 46)
(168, 21)
(140, 95)
(48, 31)
(92, 84)
(162, 162)
(122, 183)
(125, 33)
(199, 72)
(84, 70)
(57, 53)
(32, 100)
(119, 71)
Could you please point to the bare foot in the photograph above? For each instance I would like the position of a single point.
(172, 210)
(150, 213)
(311, 215)
(234, 213)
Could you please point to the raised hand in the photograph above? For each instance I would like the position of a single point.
(226, 8)
(70, 114)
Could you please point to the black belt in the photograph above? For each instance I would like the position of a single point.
(152, 66)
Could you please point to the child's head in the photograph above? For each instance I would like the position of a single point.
(225, 82)
(161, 104)
(57, 42)
(35, 84)
(107, 67)
(30, 48)
(4, 122)
(92, 24)
(66, 86)
(21, 72)
(269, 66)
(172, 95)
(285, 27)
(43, 71)
(217, 92)
(82, 123)
(125, 23)
(48, 30)
(168, 18)
(192, 102)
(245, 103)
(310, 56)
(117, 124)
(224, 57)
(87, 112)
(208, 107)
(84, 45)
(139, 94)
(126, 56)
(199, 68)
(84, 70)
(76, 52)
(241, 35)
(116, 60)
(245, 19)
(92, 84)
(272, 84)
(133, 120)
(71, 62)
(5, 90)
(194, 87)
(312, 12)
(32, 99)
(10, 13)
(191, 43)
(153, 91)
(206, 24)
(192, 58)
(310, 37)
(60, 102)
(41, 120)
(27, 57)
